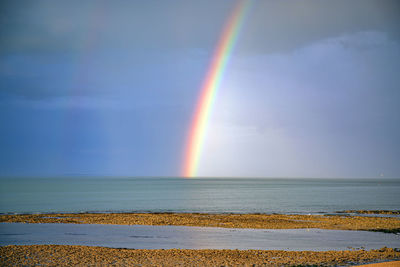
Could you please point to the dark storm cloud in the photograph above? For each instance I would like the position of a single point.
(108, 87)
(271, 25)
(276, 26)
(84, 45)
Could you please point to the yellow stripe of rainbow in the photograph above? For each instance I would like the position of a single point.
(210, 87)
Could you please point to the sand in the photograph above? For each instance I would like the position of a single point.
(391, 212)
(383, 264)
(63, 255)
(60, 255)
(258, 221)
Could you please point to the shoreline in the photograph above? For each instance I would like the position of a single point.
(64, 255)
(256, 221)
(71, 255)
(395, 213)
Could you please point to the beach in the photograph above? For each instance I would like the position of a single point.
(200, 133)
(257, 221)
(198, 222)
(67, 255)
(53, 255)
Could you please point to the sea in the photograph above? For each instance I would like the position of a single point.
(203, 195)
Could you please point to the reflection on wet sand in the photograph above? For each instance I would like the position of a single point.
(184, 237)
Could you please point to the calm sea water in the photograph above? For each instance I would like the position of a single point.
(48, 195)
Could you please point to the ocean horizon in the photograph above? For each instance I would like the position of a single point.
(202, 195)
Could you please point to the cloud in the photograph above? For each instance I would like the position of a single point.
(138, 26)
(151, 79)
(314, 83)
(327, 109)
(284, 26)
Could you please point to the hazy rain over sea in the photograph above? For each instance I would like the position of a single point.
(99, 88)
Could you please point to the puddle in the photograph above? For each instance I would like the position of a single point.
(186, 237)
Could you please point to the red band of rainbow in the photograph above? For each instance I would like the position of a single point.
(210, 87)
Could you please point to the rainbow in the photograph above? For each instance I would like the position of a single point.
(208, 92)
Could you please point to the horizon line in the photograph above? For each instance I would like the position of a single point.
(196, 177)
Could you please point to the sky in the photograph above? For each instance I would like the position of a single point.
(108, 88)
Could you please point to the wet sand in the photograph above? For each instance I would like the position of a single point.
(383, 264)
(61, 255)
(67, 255)
(191, 237)
(388, 212)
(257, 221)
